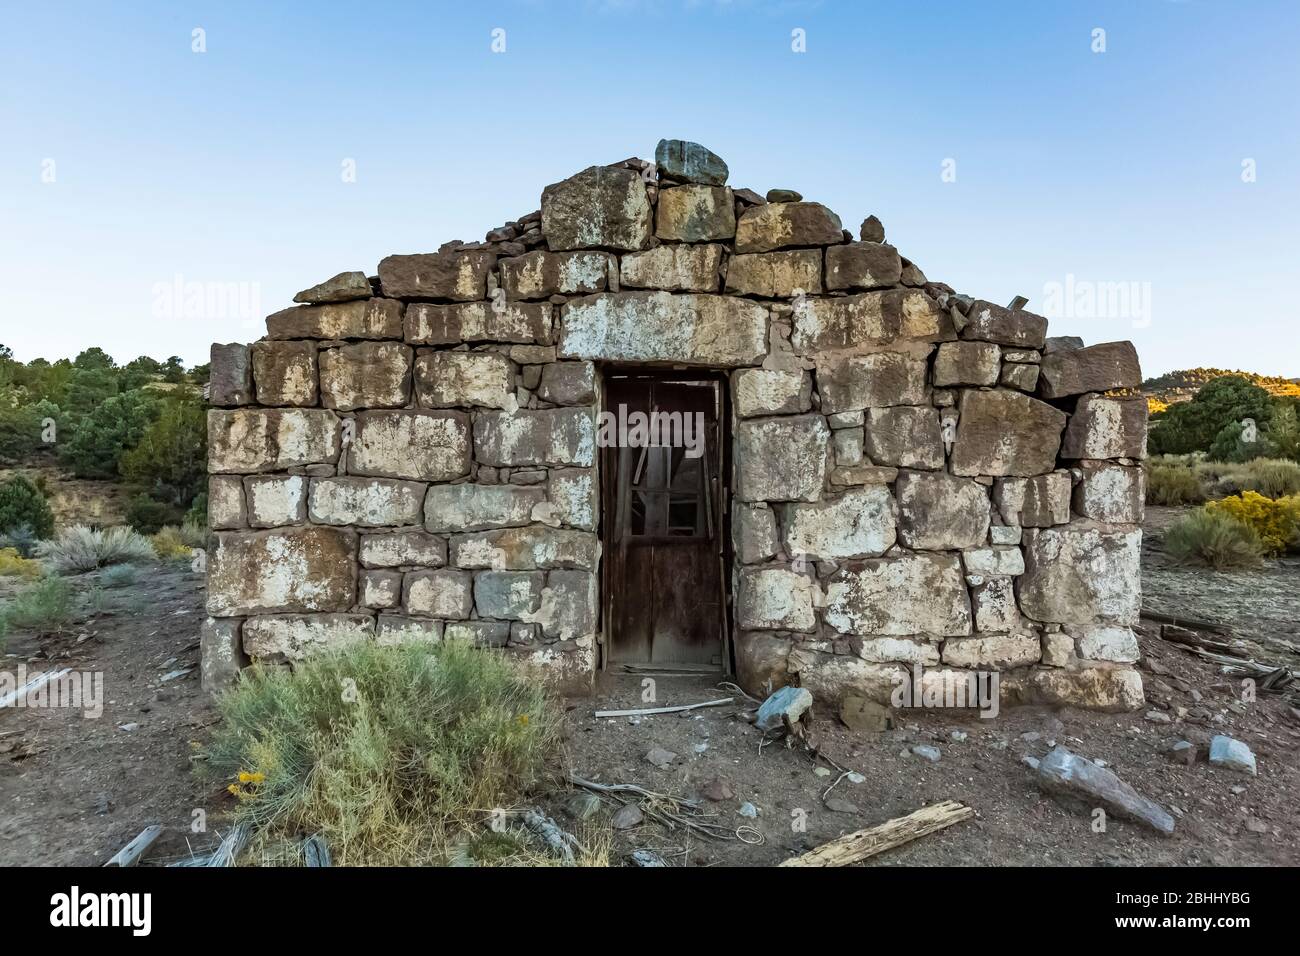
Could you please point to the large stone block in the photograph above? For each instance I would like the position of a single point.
(526, 549)
(1097, 687)
(1109, 492)
(365, 375)
(776, 275)
(781, 459)
(424, 446)
(785, 224)
(360, 319)
(993, 651)
(1006, 433)
(1097, 368)
(540, 274)
(221, 653)
(899, 650)
(457, 275)
(1106, 642)
(601, 206)
(905, 436)
(860, 523)
(680, 160)
(381, 589)
(939, 512)
(760, 391)
(761, 661)
(568, 383)
(754, 533)
(343, 287)
(444, 593)
(230, 376)
(900, 596)
(1017, 328)
(994, 601)
(1107, 428)
(967, 363)
(1038, 502)
(770, 598)
(522, 323)
(469, 507)
(573, 496)
(369, 502)
(285, 373)
(288, 569)
(695, 213)
(281, 638)
(396, 629)
(248, 440)
(832, 677)
(275, 500)
(1078, 573)
(847, 383)
(569, 606)
(862, 265)
(869, 320)
(663, 327)
(508, 594)
(547, 436)
(675, 268)
(458, 379)
(403, 549)
(227, 509)
(478, 633)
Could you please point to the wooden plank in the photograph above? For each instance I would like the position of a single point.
(662, 710)
(854, 847)
(128, 855)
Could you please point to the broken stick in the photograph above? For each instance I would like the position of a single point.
(662, 710)
(135, 849)
(864, 843)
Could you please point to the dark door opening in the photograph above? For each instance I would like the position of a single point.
(663, 489)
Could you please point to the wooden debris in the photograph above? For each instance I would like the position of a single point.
(129, 854)
(662, 710)
(1187, 622)
(857, 846)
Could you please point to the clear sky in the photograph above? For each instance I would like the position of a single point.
(1003, 152)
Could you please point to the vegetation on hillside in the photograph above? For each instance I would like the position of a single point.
(1195, 378)
(1229, 419)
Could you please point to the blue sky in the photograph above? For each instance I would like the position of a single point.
(224, 169)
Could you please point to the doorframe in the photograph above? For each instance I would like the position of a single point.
(726, 471)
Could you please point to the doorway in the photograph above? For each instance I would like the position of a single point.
(665, 471)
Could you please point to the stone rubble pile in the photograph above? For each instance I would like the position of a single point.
(922, 479)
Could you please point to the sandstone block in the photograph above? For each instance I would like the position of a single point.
(457, 275)
(758, 391)
(425, 446)
(1077, 573)
(396, 629)
(443, 593)
(275, 500)
(781, 459)
(761, 661)
(369, 502)
(1097, 368)
(403, 549)
(868, 320)
(776, 275)
(994, 561)
(994, 602)
(862, 265)
(343, 287)
(221, 653)
(601, 206)
(1017, 328)
(1099, 687)
(1106, 643)
(939, 512)
(1038, 502)
(288, 569)
(898, 650)
(548, 436)
(247, 440)
(282, 638)
(695, 213)
(663, 327)
(508, 594)
(478, 633)
(230, 376)
(526, 549)
(967, 363)
(365, 375)
(381, 589)
(900, 596)
(683, 161)
(469, 507)
(1022, 377)
(860, 523)
(754, 533)
(870, 381)
(285, 373)
(1006, 433)
(783, 225)
(569, 606)
(992, 651)
(1112, 493)
(226, 507)
(832, 677)
(458, 379)
(360, 319)
(574, 493)
(568, 383)
(1107, 428)
(769, 598)
(675, 268)
(905, 436)
(523, 323)
(540, 274)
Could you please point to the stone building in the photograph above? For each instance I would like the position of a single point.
(666, 422)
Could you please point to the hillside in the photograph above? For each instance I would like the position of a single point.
(1181, 385)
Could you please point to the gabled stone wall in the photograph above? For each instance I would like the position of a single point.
(922, 479)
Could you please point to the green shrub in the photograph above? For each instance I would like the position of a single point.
(23, 505)
(385, 751)
(148, 515)
(198, 513)
(105, 431)
(1274, 521)
(44, 606)
(1173, 485)
(119, 576)
(172, 542)
(171, 456)
(78, 549)
(1215, 539)
(22, 539)
(1274, 477)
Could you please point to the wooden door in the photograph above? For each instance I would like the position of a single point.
(663, 524)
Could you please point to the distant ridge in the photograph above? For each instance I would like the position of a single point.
(1181, 385)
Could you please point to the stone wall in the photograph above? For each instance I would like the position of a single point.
(921, 478)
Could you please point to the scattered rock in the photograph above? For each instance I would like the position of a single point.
(784, 195)
(926, 752)
(659, 757)
(627, 816)
(840, 805)
(747, 809)
(787, 703)
(1066, 774)
(863, 715)
(582, 806)
(1231, 753)
(718, 790)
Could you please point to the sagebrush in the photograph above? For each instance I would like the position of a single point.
(79, 548)
(1214, 539)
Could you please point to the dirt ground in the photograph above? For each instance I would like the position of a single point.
(74, 790)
